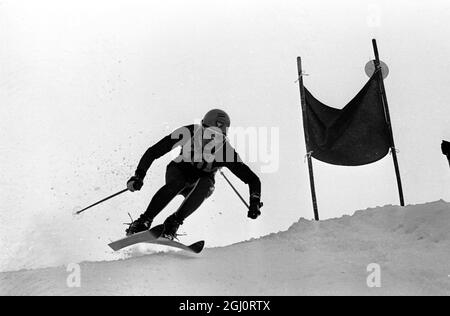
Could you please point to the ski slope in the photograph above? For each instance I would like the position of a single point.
(411, 245)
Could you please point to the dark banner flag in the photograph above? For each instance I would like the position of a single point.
(356, 135)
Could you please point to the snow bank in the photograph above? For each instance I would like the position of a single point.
(411, 246)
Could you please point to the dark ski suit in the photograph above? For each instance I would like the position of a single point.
(193, 175)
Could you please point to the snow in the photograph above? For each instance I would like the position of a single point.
(410, 244)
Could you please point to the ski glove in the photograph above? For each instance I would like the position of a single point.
(254, 210)
(135, 184)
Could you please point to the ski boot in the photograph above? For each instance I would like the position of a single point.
(171, 225)
(141, 224)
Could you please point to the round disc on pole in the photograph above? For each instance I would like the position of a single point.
(370, 69)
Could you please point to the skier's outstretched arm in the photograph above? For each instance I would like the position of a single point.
(156, 151)
(246, 175)
(164, 146)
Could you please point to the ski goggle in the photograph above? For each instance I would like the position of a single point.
(220, 128)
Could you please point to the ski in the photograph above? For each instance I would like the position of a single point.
(153, 236)
(196, 247)
(144, 236)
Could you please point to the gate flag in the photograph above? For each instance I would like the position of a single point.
(356, 135)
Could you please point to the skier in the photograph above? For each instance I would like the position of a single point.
(205, 149)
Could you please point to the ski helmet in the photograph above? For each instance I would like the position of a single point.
(217, 118)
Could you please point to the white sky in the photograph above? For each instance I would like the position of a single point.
(87, 86)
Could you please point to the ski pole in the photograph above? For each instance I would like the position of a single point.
(234, 189)
(109, 197)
